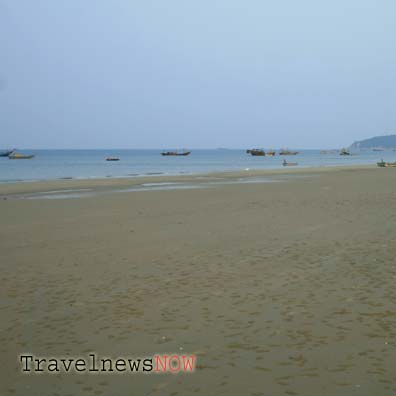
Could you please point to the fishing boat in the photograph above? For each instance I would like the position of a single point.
(285, 163)
(287, 152)
(383, 164)
(176, 153)
(344, 151)
(6, 153)
(20, 156)
(270, 153)
(112, 159)
(256, 152)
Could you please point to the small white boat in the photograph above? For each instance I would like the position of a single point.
(285, 163)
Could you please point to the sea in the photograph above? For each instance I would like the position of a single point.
(85, 164)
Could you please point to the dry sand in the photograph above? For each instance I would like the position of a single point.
(278, 288)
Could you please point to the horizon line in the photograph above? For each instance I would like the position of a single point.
(177, 148)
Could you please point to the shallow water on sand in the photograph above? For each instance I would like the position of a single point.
(155, 186)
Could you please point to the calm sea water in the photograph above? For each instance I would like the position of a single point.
(56, 164)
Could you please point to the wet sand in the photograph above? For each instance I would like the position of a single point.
(278, 288)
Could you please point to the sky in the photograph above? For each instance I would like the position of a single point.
(197, 74)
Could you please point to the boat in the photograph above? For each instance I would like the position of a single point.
(176, 153)
(287, 152)
(6, 153)
(285, 163)
(112, 159)
(270, 153)
(344, 151)
(20, 156)
(378, 149)
(383, 164)
(328, 151)
(256, 152)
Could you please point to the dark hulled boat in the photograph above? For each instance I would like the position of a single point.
(256, 152)
(287, 152)
(176, 153)
(344, 152)
(6, 153)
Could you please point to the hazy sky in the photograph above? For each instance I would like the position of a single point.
(204, 73)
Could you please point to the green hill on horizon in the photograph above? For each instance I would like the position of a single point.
(387, 141)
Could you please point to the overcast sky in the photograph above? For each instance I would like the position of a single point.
(204, 73)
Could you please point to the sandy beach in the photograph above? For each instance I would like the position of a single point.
(282, 287)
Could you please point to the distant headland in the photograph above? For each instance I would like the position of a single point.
(387, 141)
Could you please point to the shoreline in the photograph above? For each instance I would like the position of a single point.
(119, 183)
(290, 285)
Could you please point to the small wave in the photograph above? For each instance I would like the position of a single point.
(12, 181)
(64, 191)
